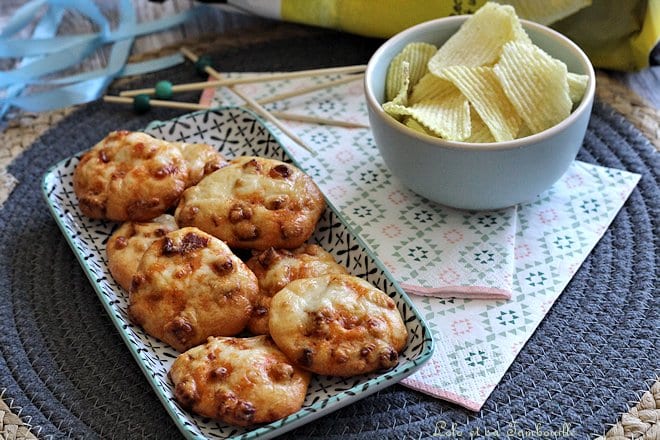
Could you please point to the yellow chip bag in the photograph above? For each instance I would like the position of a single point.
(480, 39)
(547, 12)
(416, 55)
(535, 83)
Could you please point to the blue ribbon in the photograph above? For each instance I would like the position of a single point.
(46, 27)
(45, 53)
(22, 17)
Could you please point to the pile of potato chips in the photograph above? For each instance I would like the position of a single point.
(487, 83)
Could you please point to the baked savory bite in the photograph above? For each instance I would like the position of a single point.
(189, 286)
(338, 325)
(201, 159)
(130, 241)
(254, 203)
(131, 176)
(240, 381)
(275, 268)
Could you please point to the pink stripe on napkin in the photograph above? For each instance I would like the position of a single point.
(471, 292)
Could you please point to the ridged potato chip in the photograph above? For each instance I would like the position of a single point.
(577, 84)
(446, 115)
(535, 83)
(401, 97)
(430, 87)
(480, 39)
(397, 111)
(480, 133)
(524, 131)
(484, 92)
(416, 55)
(414, 125)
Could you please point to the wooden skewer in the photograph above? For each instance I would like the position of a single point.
(193, 106)
(158, 103)
(316, 120)
(247, 79)
(269, 117)
(251, 102)
(309, 89)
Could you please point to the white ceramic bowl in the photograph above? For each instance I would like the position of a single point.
(477, 176)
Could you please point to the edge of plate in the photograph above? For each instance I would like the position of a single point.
(109, 311)
(306, 414)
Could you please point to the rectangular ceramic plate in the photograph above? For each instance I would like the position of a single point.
(234, 132)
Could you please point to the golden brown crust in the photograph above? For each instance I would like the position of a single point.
(254, 203)
(337, 325)
(202, 160)
(130, 241)
(275, 268)
(131, 176)
(189, 286)
(240, 381)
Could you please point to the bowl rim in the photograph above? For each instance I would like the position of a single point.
(584, 105)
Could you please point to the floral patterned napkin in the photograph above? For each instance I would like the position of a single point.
(483, 280)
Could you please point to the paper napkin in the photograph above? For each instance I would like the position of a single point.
(483, 280)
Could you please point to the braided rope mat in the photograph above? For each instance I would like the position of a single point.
(11, 425)
(66, 372)
(642, 421)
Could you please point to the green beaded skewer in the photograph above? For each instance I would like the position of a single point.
(163, 89)
(248, 79)
(251, 103)
(202, 63)
(142, 104)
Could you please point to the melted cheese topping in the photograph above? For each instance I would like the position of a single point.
(241, 381)
(128, 244)
(254, 203)
(337, 325)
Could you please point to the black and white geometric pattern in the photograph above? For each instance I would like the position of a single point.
(234, 132)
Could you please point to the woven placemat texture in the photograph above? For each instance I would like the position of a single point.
(17, 136)
(65, 366)
(638, 110)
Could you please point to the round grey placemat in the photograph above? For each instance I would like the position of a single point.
(63, 363)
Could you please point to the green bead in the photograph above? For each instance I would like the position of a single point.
(202, 63)
(141, 103)
(163, 89)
